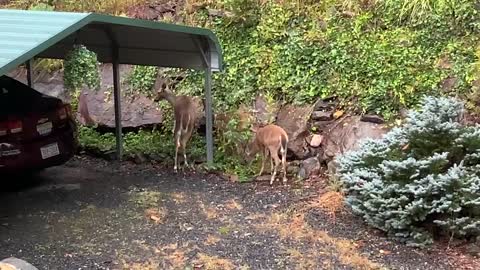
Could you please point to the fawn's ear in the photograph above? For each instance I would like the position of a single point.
(254, 129)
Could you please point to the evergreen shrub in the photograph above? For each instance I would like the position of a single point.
(419, 179)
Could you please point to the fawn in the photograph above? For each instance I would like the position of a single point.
(185, 116)
(269, 140)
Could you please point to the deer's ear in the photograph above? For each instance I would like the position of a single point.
(254, 128)
(164, 86)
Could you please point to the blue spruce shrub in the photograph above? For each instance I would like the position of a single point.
(419, 179)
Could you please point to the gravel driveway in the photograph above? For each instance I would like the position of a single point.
(91, 214)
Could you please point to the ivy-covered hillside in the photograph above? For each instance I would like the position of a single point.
(375, 55)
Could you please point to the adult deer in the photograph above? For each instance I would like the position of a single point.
(185, 115)
(268, 140)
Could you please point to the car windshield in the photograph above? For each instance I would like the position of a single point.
(16, 97)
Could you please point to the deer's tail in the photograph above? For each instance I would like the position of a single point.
(185, 124)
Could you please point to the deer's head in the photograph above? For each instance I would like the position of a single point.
(163, 92)
(165, 87)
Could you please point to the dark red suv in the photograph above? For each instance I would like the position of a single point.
(36, 131)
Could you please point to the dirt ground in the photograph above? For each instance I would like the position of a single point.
(91, 214)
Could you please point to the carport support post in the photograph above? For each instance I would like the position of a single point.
(29, 73)
(208, 113)
(117, 101)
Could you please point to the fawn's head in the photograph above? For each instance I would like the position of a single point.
(252, 147)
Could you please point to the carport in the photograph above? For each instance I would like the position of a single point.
(25, 35)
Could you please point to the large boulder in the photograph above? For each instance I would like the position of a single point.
(346, 133)
(294, 119)
(157, 10)
(309, 167)
(137, 111)
(265, 110)
(47, 83)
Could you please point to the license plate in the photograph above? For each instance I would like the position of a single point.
(45, 128)
(50, 150)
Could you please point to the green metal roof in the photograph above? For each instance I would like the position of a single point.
(45, 34)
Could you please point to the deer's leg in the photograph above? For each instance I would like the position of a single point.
(184, 155)
(177, 146)
(185, 138)
(184, 151)
(274, 153)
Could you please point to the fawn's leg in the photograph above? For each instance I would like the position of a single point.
(263, 161)
(284, 164)
(274, 154)
(271, 164)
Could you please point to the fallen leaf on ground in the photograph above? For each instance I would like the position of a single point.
(385, 252)
(154, 218)
(338, 114)
(155, 214)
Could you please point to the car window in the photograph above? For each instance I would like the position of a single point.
(13, 89)
(16, 97)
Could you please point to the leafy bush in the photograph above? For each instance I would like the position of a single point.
(90, 139)
(146, 142)
(423, 175)
(142, 79)
(231, 142)
(81, 68)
